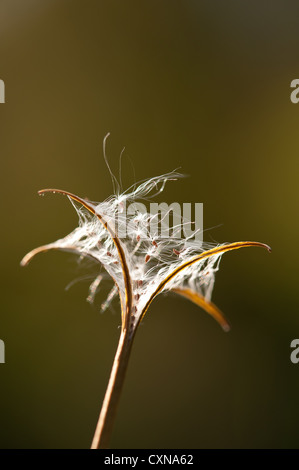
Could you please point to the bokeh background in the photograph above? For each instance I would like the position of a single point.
(201, 85)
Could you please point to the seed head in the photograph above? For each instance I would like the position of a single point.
(141, 264)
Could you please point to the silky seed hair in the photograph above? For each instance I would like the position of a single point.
(150, 258)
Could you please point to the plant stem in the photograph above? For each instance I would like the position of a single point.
(107, 415)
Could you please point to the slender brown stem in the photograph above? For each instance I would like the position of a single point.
(106, 419)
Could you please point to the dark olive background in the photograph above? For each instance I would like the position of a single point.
(201, 85)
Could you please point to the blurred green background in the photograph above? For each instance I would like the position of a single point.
(201, 85)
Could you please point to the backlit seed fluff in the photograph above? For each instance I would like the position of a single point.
(141, 265)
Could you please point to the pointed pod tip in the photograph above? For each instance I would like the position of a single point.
(41, 192)
(243, 244)
(23, 262)
(27, 258)
(226, 327)
(264, 245)
(85, 202)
